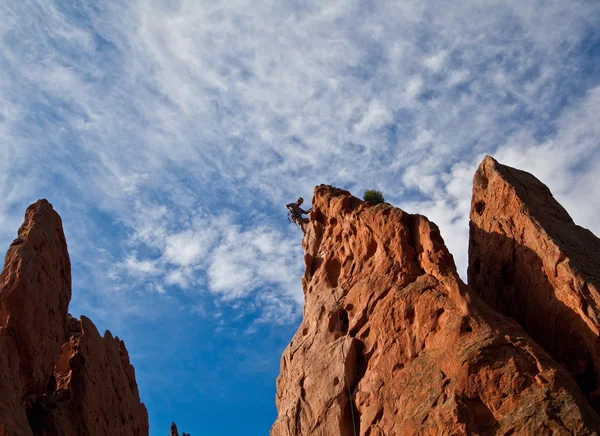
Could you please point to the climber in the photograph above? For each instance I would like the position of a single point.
(296, 212)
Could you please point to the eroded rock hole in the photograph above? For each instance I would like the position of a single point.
(465, 326)
(314, 265)
(479, 207)
(338, 321)
(479, 418)
(319, 217)
(371, 249)
(481, 180)
(333, 268)
(348, 204)
(398, 367)
(409, 314)
(302, 390)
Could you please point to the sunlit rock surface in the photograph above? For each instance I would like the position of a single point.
(410, 349)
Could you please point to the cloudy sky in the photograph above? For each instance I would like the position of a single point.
(169, 135)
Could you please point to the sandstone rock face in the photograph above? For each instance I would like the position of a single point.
(58, 376)
(96, 392)
(13, 418)
(530, 261)
(409, 349)
(36, 290)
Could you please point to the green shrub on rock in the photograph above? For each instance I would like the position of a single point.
(373, 196)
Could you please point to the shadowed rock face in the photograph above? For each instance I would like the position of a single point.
(418, 351)
(95, 393)
(36, 290)
(530, 261)
(58, 376)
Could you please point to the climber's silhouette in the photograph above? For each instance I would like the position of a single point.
(296, 212)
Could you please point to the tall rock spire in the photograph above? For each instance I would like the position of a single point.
(530, 261)
(35, 293)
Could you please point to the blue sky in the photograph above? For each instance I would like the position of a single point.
(169, 135)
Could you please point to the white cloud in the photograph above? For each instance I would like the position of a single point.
(415, 177)
(245, 261)
(436, 61)
(188, 247)
(135, 266)
(375, 116)
(214, 253)
(567, 163)
(458, 76)
(177, 277)
(413, 87)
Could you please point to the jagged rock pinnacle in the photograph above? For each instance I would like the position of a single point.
(410, 349)
(58, 376)
(530, 261)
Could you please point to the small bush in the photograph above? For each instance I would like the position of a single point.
(373, 196)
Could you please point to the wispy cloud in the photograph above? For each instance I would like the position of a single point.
(187, 124)
(169, 135)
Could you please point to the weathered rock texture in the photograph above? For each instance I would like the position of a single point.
(530, 261)
(36, 290)
(419, 352)
(58, 376)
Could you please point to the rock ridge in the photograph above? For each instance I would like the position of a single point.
(418, 350)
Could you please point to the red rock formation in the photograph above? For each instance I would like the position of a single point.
(36, 290)
(418, 351)
(13, 417)
(58, 376)
(174, 431)
(530, 261)
(96, 392)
